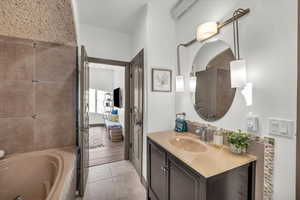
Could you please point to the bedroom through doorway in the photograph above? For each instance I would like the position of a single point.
(106, 113)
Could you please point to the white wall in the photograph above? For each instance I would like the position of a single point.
(269, 44)
(100, 79)
(139, 34)
(156, 34)
(104, 43)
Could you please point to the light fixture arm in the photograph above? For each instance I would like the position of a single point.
(241, 13)
(178, 59)
(178, 53)
(236, 35)
(237, 14)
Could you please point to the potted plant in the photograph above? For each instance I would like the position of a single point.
(238, 141)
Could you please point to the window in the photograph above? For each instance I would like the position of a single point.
(100, 101)
(96, 101)
(92, 101)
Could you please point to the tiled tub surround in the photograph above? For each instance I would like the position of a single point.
(47, 175)
(37, 95)
(263, 149)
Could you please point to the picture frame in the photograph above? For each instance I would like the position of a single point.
(161, 80)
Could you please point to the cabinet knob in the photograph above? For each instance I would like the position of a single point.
(164, 168)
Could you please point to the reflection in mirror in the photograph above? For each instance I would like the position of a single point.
(213, 95)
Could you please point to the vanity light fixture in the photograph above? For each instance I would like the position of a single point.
(238, 66)
(238, 69)
(193, 83)
(207, 30)
(179, 83)
(204, 32)
(238, 73)
(179, 78)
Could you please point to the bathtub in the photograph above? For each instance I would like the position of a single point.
(41, 175)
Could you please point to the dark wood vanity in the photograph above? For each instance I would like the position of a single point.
(169, 178)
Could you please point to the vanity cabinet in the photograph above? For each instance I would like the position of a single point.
(182, 182)
(171, 179)
(157, 167)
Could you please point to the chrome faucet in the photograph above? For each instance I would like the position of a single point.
(202, 132)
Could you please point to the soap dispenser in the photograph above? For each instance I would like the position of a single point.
(180, 123)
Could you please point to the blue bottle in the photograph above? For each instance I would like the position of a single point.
(180, 123)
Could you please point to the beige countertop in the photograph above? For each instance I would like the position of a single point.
(214, 161)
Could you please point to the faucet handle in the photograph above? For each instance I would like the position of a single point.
(197, 131)
(200, 130)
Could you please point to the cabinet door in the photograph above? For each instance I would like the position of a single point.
(157, 172)
(183, 183)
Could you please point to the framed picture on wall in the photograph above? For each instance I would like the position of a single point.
(161, 80)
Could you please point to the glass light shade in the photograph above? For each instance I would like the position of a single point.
(207, 30)
(247, 93)
(238, 73)
(179, 84)
(193, 82)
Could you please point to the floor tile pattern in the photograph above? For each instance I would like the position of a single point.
(114, 181)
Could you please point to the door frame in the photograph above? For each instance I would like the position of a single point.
(81, 125)
(127, 96)
(298, 111)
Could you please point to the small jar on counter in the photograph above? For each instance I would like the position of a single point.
(218, 138)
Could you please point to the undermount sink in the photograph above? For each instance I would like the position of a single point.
(188, 144)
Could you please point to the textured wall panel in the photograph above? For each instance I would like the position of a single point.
(43, 20)
(37, 95)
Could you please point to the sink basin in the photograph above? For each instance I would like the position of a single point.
(188, 144)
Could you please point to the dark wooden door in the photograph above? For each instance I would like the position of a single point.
(182, 182)
(136, 110)
(84, 120)
(157, 172)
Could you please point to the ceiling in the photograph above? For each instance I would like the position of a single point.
(122, 15)
(118, 15)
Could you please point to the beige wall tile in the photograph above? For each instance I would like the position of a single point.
(52, 100)
(53, 131)
(16, 134)
(16, 61)
(55, 98)
(16, 99)
(55, 63)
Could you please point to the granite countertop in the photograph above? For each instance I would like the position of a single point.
(214, 161)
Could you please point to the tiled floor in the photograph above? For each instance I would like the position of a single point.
(114, 181)
(104, 151)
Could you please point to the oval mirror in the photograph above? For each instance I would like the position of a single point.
(210, 83)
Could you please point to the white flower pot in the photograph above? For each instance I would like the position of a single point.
(236, 150)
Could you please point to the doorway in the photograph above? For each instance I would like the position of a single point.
(124, 142)
(106, 113)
